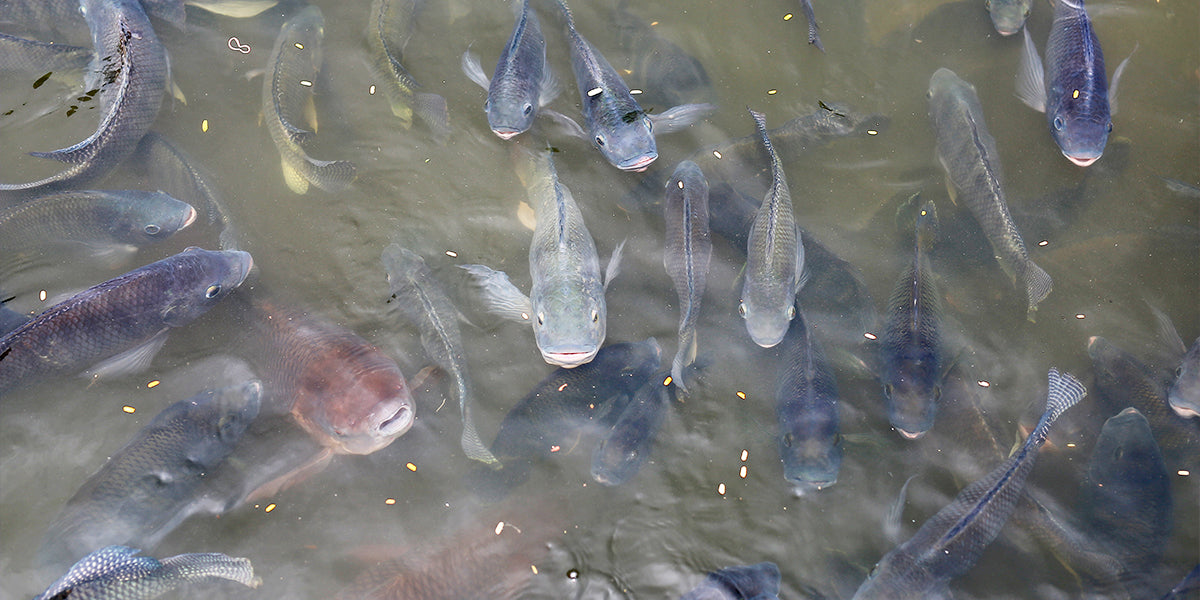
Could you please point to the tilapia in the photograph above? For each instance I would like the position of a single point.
(950, 542)
(130, 72)
(167, 167)
(61, 61)
(1184, 392)
(774, 258)
(686, 254)
(911, 345)
(666, 74)
(623, 449)
(814, 38)
(968, 154)
(155, 482)
(122, 321)
(287, 89)
(754, 582)
(806, 407)
(388, 31)
(1008, 16)
(420, 299)
(522, 82)
(1071, 87)
(117, 573)
(566, 298)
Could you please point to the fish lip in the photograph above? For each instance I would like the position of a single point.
(506, 134)
(244, 262)
(909, 435)
(569, 360)
(639, 164)
(1186, 412)
(400, 421)
(191, 218)
(1082, 161)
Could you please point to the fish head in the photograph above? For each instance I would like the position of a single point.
(569, 326)
(1081, 131)
(911, 392)
(200, 279)
(1121, 379)
(766, 323)
(152, 217)
(1126, 455)
(510, 116)
(1008, 16)
(811, 451)
(353, 399)
(237, 406)
(629, 143)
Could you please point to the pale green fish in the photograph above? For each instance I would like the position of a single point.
(388, 30)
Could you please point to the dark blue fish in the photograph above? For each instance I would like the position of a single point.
(1071, 88)
(806, 406)
(122, 321)
(167, 167)
(755, 582)
(627, 445)
(1188, 588)
(1184, 392)
(686, 254)
(117, 573)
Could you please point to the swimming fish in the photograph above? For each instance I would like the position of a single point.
(950, 542)
(754, 582)
(60, 61)
(1071, 87)
(814, 37)
(1184, 392)
(968, 154)
(117, 573)
(666, 74)
(686, 254)
(566, 297)
(806, 406)
(167, 167)
(775, 258)
(623, 449)
(1008, 16)
(130, 74)
(388, 31)
(522, 82)
(287, 88)
(152, 484)
(911, 344)
(123, 321)
(420, 299)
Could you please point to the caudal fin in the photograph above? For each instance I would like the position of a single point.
(1064, 392)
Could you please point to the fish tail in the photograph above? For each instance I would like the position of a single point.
(1037, 286)
(431, 108)
(1064, 392)
(760, 124)
(333, 175)
(684, 356)
(472, 445)
(191, 567)
(927, 225)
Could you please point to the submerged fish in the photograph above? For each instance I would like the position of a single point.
(968, 154)
(911, 344)
(32, 56)
(806, 406)
(627, 445)
(664, 72)
(814, 38)
(117, 573)
(522, 82)
(130, 74)
(122, 321)
(388, 30)
(421, 300)
(686, 254)
(1071, 88)
(1184, 392)
(754, 582)
(566, 297)
(153, 484)
(1008, 16)
(287, 90)
(775, 258)
(169, 168)
(951, 541)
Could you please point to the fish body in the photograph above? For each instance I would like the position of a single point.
(287, 89)
(1008, 16)
(117, 573)
(686, 254)
(666, 74)
(627, 445)
(968, 154)
(950, 542)
(349, 396)
(167, 167)
(774, 258)
(128, 313)
(522, 82)
(911, 344)
(130, 74)
(388, 30)
(754, 582)
(806, 406)
(32, 56)
(422, 302)
(151, 485)
(814, 37)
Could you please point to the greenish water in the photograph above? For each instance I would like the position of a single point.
(1132, 241)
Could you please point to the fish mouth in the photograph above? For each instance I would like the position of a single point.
(1082, 161)
(570, 360)
(909, 435)
(639, 164)
(244, 263)
(191, 217)
(1186, 412)
(506, 134)
(398, 423)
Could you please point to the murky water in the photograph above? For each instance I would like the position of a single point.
(713, 493)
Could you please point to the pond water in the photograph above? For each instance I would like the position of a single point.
(713, 493)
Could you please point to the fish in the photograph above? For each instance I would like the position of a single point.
(118, 573)
(614, 121)
(60, 61)
(806, 406)
(814, 37)
(1070, 86)
(753, 582)
(155, 482)
(950, 542)
(103, 223)
(967, 152)
(130, 74)
(911, 346)
(421, 301)
(291, 72)
(122, 321)
(1184, 392)
(566, 298)
(623, 449)
(775, 257)
(686, 254)
(1190, 583)
(1008, 16)
(167, 167)
(522, 82)
(1125, 500)
(388, 30)
(665, 73)
(553, 416)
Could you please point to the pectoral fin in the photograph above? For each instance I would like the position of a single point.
(301, 473)
(614, 264)
(131, 361)
(501, 297)
(566, 125)
(474, 72)
(1116, 79)
(1031, 84)
(678, 117)
(549, 87)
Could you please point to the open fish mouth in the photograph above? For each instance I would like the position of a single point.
(505, 134)
(398, 423)
(570, 360)
(639, 164)
(909, 435)
(1082, 161)
(191, 218)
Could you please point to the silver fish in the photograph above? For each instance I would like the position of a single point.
(968, 154)
(287, 88)
(421, 300)
(686, 254)
(388, 30)
(951, 541)
(1008, 16)
(774, 260)
(117, 573)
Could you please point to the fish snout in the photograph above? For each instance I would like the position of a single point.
(505, 133)
(1082, 161)
(569, 358)
(399, 422)
(909, 435)
(638, 163)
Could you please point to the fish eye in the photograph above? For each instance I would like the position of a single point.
(212, 291)
(649, 124)
(528, 110)
(889, 389)
(1027, 11)
(742, 310)
(595, 316)
(541, 318)
(937, 392)
(487, 104)
(787, 440)
(1109, 128)
(1058, 123)
(153, 229)
(874, 570)
(837, 439)
(599, 140)
(791, 312)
